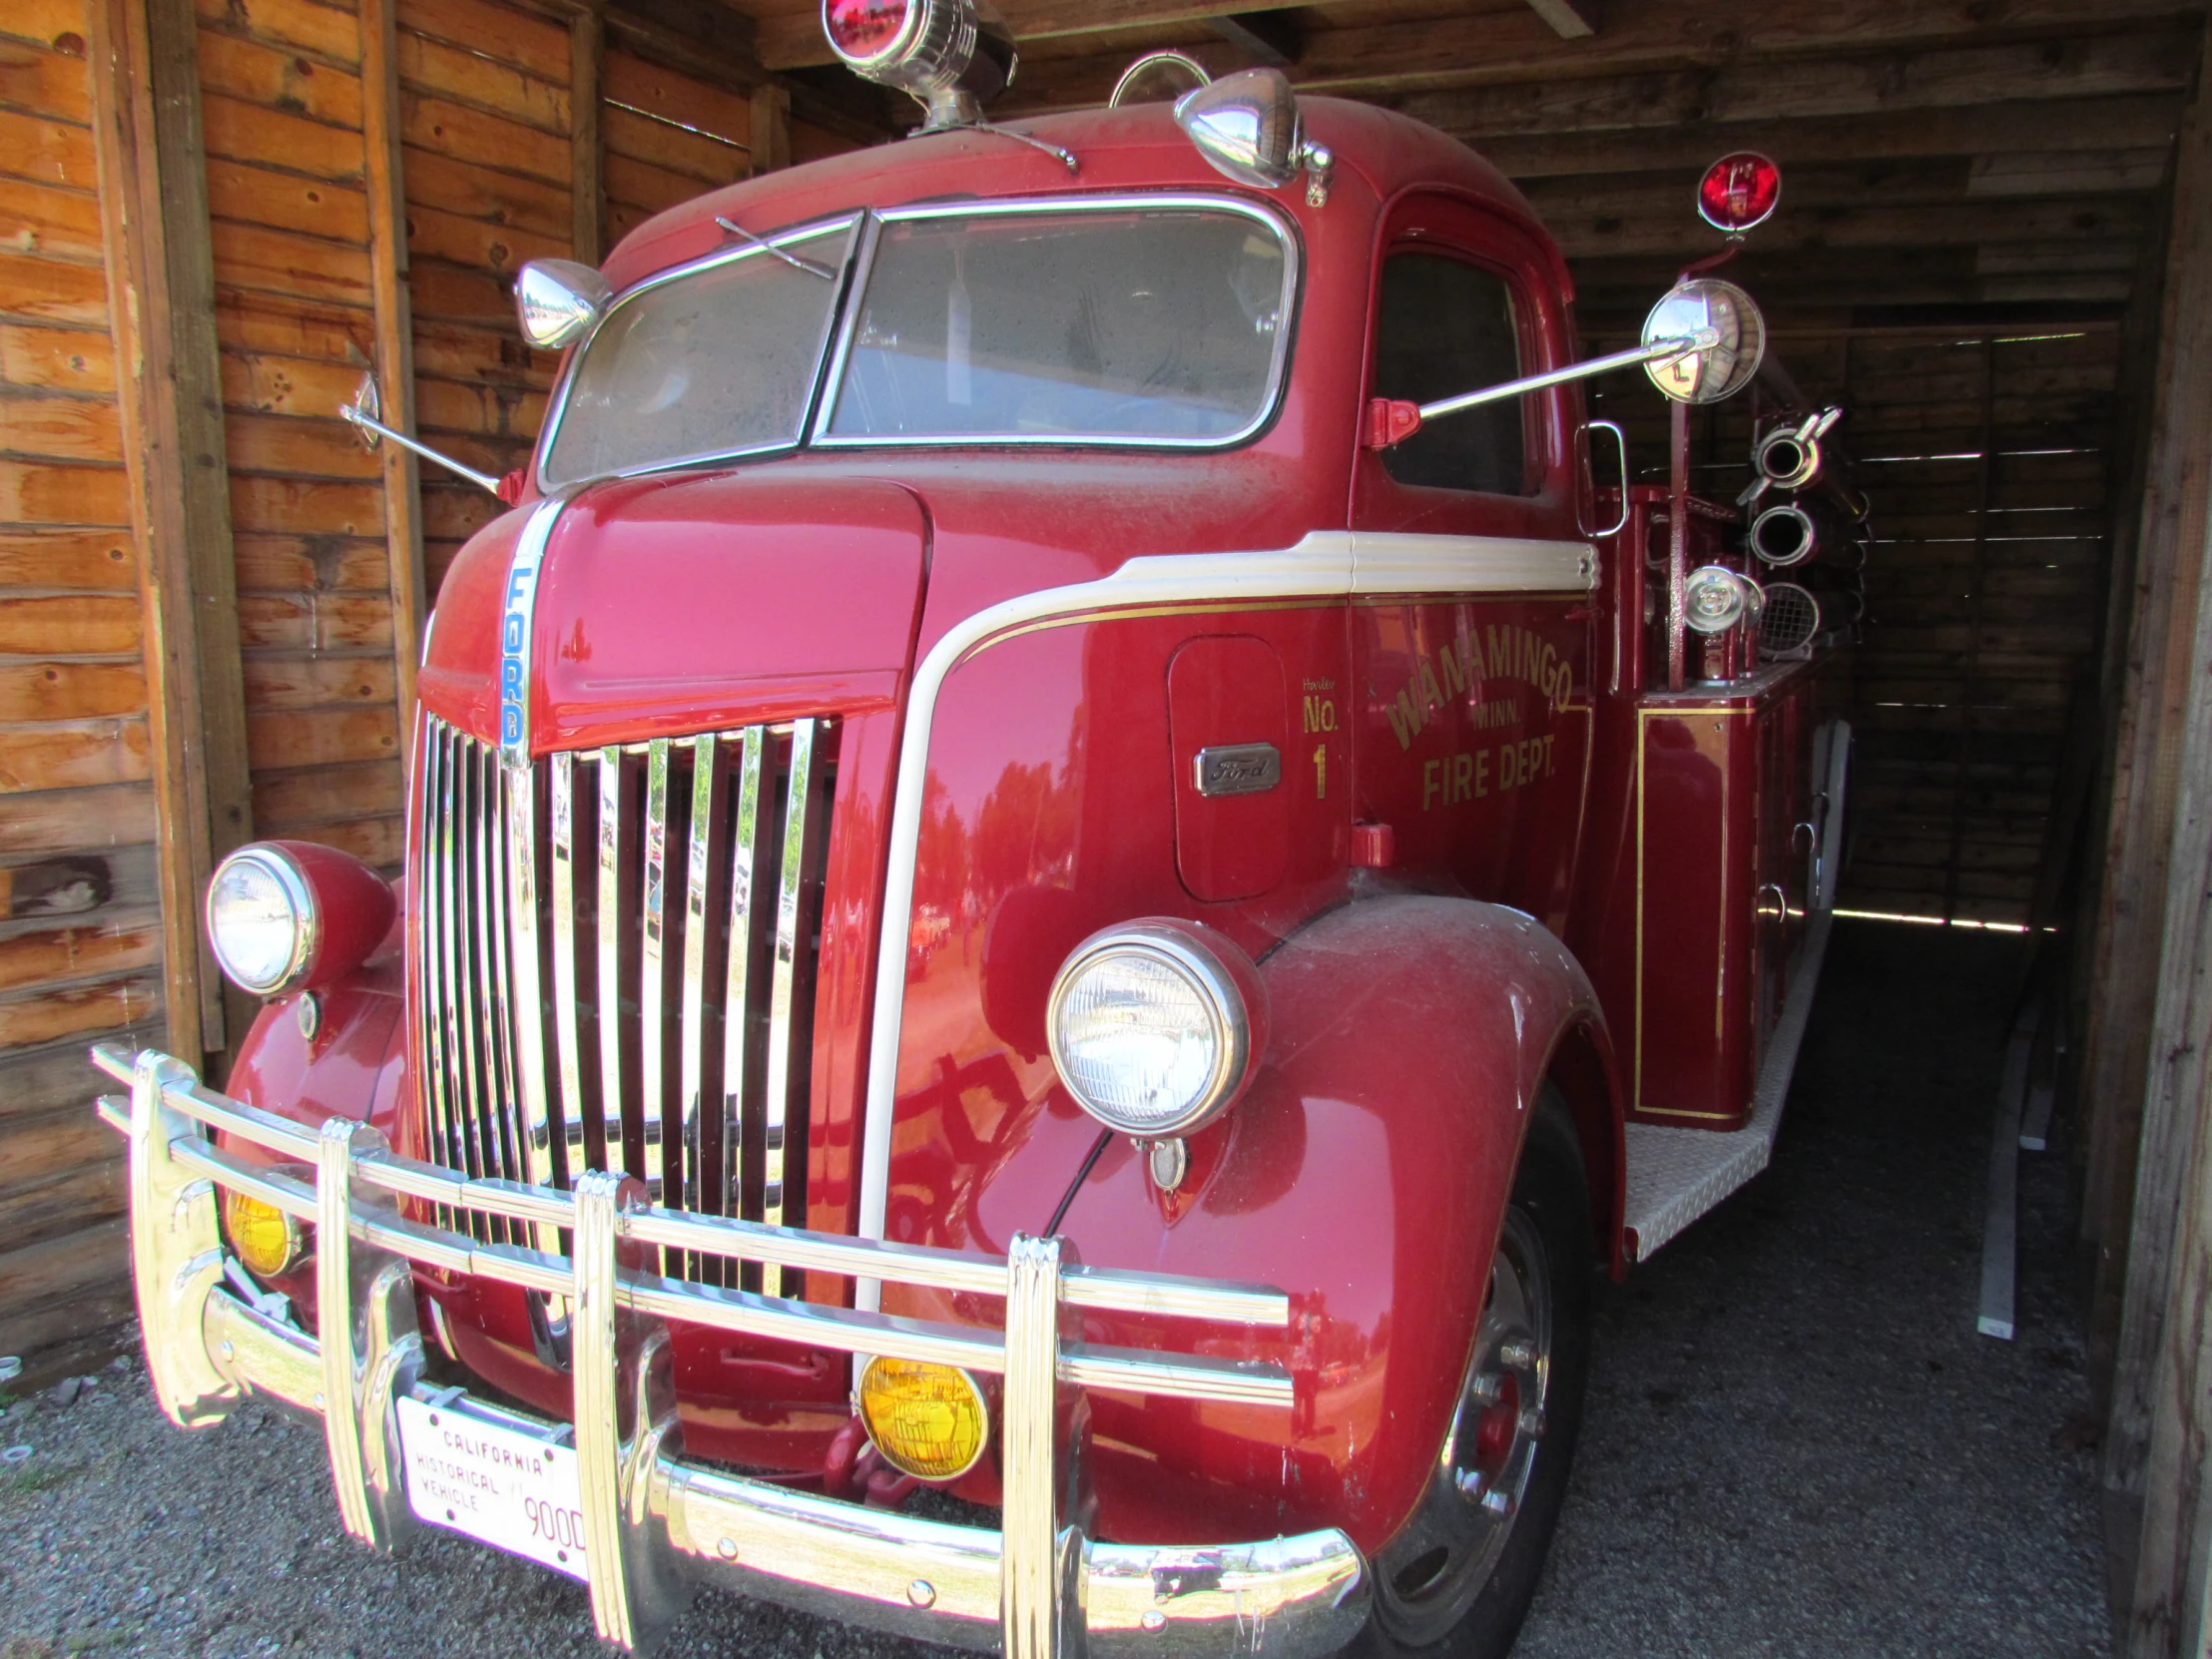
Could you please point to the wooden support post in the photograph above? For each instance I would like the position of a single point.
(161, 299)
(387, 277)
(2155, 948)
(771, 127)
(587, 39)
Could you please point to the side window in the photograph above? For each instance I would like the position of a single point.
(1448, 328)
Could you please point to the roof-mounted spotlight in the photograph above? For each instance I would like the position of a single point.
(951, 56)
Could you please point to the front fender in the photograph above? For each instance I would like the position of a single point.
(1366, 1172)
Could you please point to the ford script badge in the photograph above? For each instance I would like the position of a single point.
(1239, 769)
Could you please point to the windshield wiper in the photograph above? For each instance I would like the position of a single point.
(792, 260)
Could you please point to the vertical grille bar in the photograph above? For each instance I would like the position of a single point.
(653, 972)
(543, 1144)
(702, 917)
(579, 1152)
(745, 977)
(462, 1005)
(788, 1029)
(614, 864)
(570, 999)
(431, 922)
(491, 889)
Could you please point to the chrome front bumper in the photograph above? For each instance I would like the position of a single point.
(657, 1527)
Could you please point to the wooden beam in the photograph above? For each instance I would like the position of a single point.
(772, 128)
(395, 326)
(2148, 1057)
(2135, 122)
(663, 33)
(1811, 60)
(1569, 19)
(1270, 39)
(587, 45)
(161, 286)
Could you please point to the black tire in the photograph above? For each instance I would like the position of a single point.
(1469, 1605)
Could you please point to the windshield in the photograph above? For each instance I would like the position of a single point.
(712, 359)
(1117, 320)
(1135, 326)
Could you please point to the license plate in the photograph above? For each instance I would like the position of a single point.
(500, 1485)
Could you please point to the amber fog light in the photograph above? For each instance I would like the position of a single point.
(263, 1239)
(927, 1421)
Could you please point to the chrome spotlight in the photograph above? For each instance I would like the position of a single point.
(1246, 125)
(949, 56)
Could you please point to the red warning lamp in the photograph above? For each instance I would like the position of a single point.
(862, 28)
(1739, 192)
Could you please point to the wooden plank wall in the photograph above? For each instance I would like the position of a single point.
(489, 163)
(1984, 451)
(80, 923)
(282, 111)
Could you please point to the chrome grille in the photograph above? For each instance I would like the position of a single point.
(616, 966)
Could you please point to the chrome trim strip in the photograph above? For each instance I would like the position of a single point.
(614, 856)
(518, 625)
(558, 408)
(653, 970)
(700, 917)
(1326, 564)
(567, 1015)
(786, 1026)
(1286, 326)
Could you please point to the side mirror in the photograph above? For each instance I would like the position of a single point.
(558, 301)
(1732, 336)
(365, 414)
(1246, 125)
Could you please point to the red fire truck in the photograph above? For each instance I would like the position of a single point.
(1072, 865)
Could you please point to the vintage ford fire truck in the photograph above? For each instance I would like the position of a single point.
(1072, 866)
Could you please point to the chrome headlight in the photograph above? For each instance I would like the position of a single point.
(1152, 1026)
(261, 919)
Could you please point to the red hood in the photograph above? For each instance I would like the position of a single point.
(692, 602)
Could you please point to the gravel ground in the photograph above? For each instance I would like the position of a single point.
(1797, 1442)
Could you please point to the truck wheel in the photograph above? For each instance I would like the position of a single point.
(1457, 1581)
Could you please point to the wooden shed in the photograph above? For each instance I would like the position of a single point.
(1995, 251)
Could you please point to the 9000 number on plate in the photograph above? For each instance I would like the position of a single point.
(500, 1485)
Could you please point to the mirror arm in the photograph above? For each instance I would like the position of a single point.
(1394, 420)
(368, 422)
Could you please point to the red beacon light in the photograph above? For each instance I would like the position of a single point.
(951, 56)
(1739, 192)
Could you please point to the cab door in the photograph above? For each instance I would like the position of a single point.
(1474, 741)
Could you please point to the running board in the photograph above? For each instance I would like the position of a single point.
(1675, 1174)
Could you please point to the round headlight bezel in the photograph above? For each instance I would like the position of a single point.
(298, 893)
(1226, 992)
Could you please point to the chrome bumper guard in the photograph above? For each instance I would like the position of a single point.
(657, 1527)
